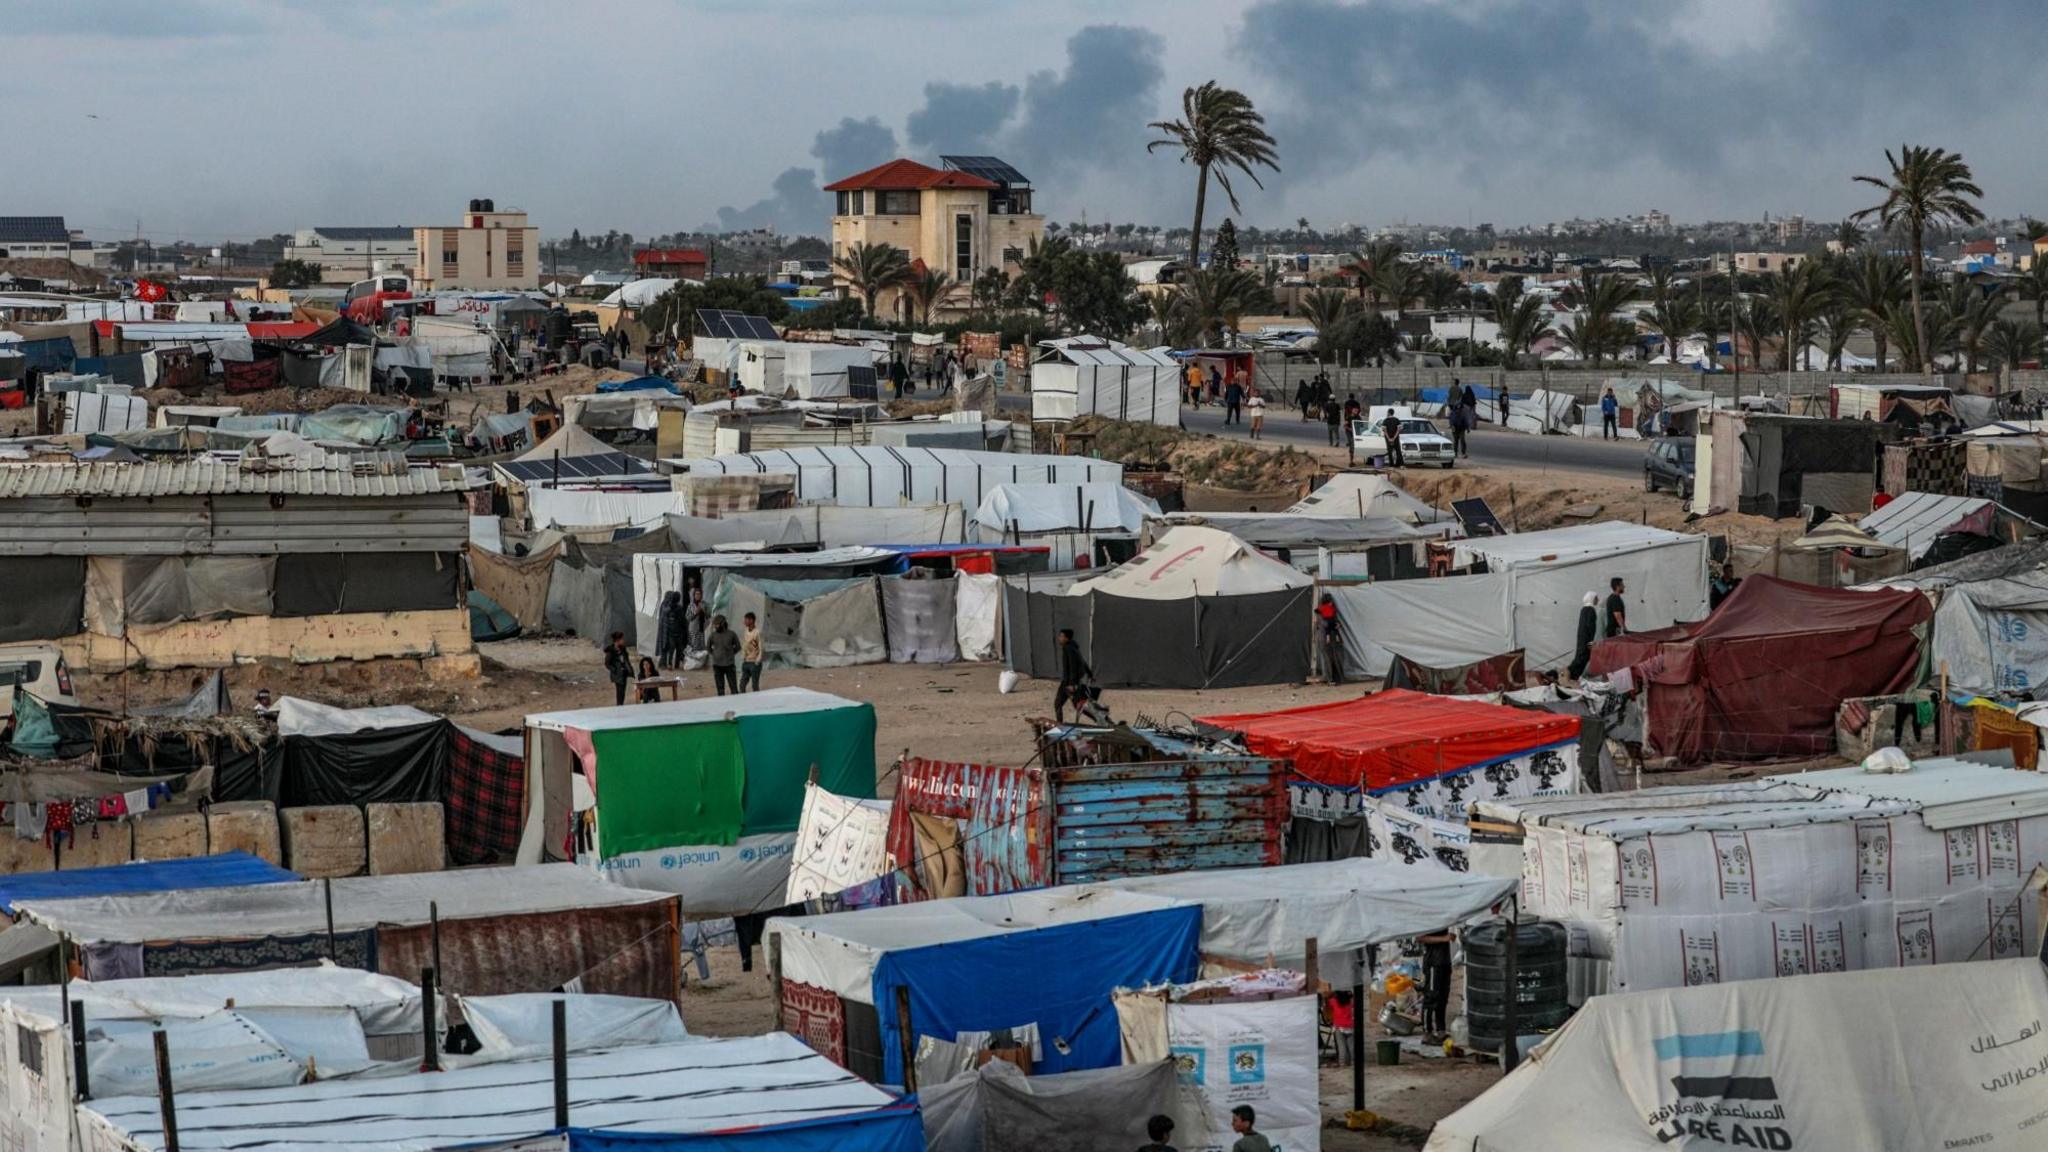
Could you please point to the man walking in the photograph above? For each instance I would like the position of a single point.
(1233, 402)
(1332, 638)
(724, 647)
(1257, 403)
(1457, 426)
(1390, 431)
(750, 654)
(1610, 417)
(1503, 407)
(1617, 608)
(618, 666)
(1074, 675)
(1331, 414)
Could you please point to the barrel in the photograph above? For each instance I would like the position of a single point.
(1541, 1001)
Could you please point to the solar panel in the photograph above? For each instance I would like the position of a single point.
(735, 325)
(1477, 517)
(861, 382)
(601, 465)
(986, 167)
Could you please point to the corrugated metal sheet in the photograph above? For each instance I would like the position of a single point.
(322, 474)
(1117, 820)
(233, 525)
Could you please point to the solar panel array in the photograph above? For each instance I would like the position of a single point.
(861, 382)
(986, 167)
(603, 464)
(735, 325)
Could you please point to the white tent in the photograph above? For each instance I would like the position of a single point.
(1943, 1057)
(1087, 375)
(643, 293)
(1915, 519)
(569, 442)
(885, 477)
(1188, 561)
(1366, 494)
(819, 371)
(1029, 513)
(1569, 545)
(1990, 627)
(758, 365)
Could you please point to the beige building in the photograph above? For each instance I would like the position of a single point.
(964, 219)
(346, 255)
(489, 249)
(1759, 262)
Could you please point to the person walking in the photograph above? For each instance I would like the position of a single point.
(899, 376)
(1617, 608)
(1256, 402)
(750, 654)
(1390, 431)
(1470, 403)
(618, 666)
(1332, 640)
(1074, 675)
(1195, 385)
(724, 647)
(649, 693)
(1304, 395)
(1215, 385)
(1503, 407)
(1249, 1139)
(1610, 416)
(1589, 631)
(1458, 424)
(1233, 402)
(1331, 415)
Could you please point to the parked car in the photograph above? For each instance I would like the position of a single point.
(1668, 464)
(1421, 443)
(38, 669)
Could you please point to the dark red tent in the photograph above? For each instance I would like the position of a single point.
(1763, 675)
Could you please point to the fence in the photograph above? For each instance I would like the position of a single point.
(1408, 380)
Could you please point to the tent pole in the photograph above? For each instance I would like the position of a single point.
(561, 1036)
(430, 1050)
(328, 887)
(434, 927)
(81, 1083)
(167, 1108)
(1359, 1004)
(1511, 995)
(775, 981)
(909, 1039)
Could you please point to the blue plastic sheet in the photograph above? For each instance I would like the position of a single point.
(226, 870)
(896, 1128)
(1058, 978)
(638, 384)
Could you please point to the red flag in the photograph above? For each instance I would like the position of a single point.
(149, 291)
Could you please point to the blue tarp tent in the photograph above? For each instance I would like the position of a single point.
(638, 384)
(227, 870)
(53, 355)
(896, 1128)
(1048, 959)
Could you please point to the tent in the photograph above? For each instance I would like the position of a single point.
(1213, 612)
(811, 623)
(921, 618)
(1991, 622)
(1413, 763)
(882, 477)
(501, 929)
(1089, 376)
(997, 1108)
(819, 525)
(820, 371)
(1826, 871)
(748, 1094)
(226, 870)
(518, 584)
(488, 621)
(1911, 1058)
(1915, 520)
(1044, 962)
(1065, 517)
(700, 797)
(1764, 674)
(1528, 599)
(326, 755)
(656, 573)
(1366, 494)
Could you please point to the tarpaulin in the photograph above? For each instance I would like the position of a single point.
(998, 1108)
(1494, 674)
(383, 766)
(841, 841)
(519, 584)
(314, 584)
(920, 617)
(45, 597)
(977, 603)
(1395, 737)
(1059, 978)
(628, 950)
(484, 797)
(51, 355)
(781, 749)
(659, 787)
(809, 623)
(896, 1128)
(1764, 675)
(240, 377)
(224, 870)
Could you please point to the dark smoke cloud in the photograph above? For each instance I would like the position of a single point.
(799, 205)
(962, 118)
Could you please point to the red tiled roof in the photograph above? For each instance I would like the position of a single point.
(670, 256)
(908, 174)
(1980, 248)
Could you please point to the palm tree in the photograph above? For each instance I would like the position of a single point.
(1584, 335)
(1975, 311)
(1602, 295)
(1712, 323)
(2013, 343)
(1926, 186)
(1217, 297)
(927, 287)
(2033, 285)
(1326, 310)
(1367, 263)
(1800, 293)
(1522, 323)
(1874, 283)
(1849, 236)
(1839, 321)
(871, 269)
(1672, 315)
(1369, 335)
(1169, 311)
(1218, 130)
(1397, 283)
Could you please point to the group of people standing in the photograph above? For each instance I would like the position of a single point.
(689, 635)
(1599, 622)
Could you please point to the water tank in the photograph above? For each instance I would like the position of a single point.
(476, 205)
(490, 206)
(1540, 1000)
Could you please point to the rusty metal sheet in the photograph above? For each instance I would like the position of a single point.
(1002, 813)
(1143, 819)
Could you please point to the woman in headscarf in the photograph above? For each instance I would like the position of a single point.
(1589, 629)
(695, 619)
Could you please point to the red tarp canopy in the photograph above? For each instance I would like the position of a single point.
(1764, 675)
(1396, 737)
(258, 329)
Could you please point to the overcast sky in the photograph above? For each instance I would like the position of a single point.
(217, 119)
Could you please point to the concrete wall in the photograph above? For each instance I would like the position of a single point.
(441, 635)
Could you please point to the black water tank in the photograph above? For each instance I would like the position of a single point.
(476, 205)
(1540, 1003)
(490, 206)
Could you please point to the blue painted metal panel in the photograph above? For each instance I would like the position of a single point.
(1146, 819)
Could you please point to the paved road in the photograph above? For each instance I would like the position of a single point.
(1622, 458)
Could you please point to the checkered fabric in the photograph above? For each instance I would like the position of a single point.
(485, 791)
(717, 495)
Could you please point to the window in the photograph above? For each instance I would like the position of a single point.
(844, 204)
(25, 673)
(963, 248)
(860, 202)
(1013, 255)
(896, 203)
(31, 1047)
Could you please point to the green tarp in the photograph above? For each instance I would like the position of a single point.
(780, 750)
(661, 787)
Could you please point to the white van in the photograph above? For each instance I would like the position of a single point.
(39, 669)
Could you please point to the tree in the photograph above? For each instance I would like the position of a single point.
(1367, 335)
(1397, 282)
(1926, 186)
(927, 288)
(871, 269)
(844, 312)
(1975, 310)
(1873, 283)
(1218, 297)
(2013, 343)
(1848, 235)
(2033, 285)
(1367, 263)
(673, 310)
(1095, 294)
(1799, 294)
(1218, 130)
(1838, 321)
(1672, 314)
(294, 274)
(1441, 288)
(1225, 253)
(1583, 334)
(1602, 295)
(1522, 323)
(1326, 310)
(989, 289)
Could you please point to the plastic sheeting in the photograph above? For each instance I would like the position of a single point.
(977, 604)
(1028, 509)
(1395, 737)
(355, 423)
(300, 717)
(809, 623)
(884, 477)
(568, 508)
(522, 1024)
(124, 592)
(228, 869)
(1941, 1058)
(921, 619)
(1187, 562)
(45, 597)
(999, 1109)
(823, 525)
(519, 584)
(841, 842)
(221, 1051)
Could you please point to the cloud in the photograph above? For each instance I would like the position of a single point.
(961, 118)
